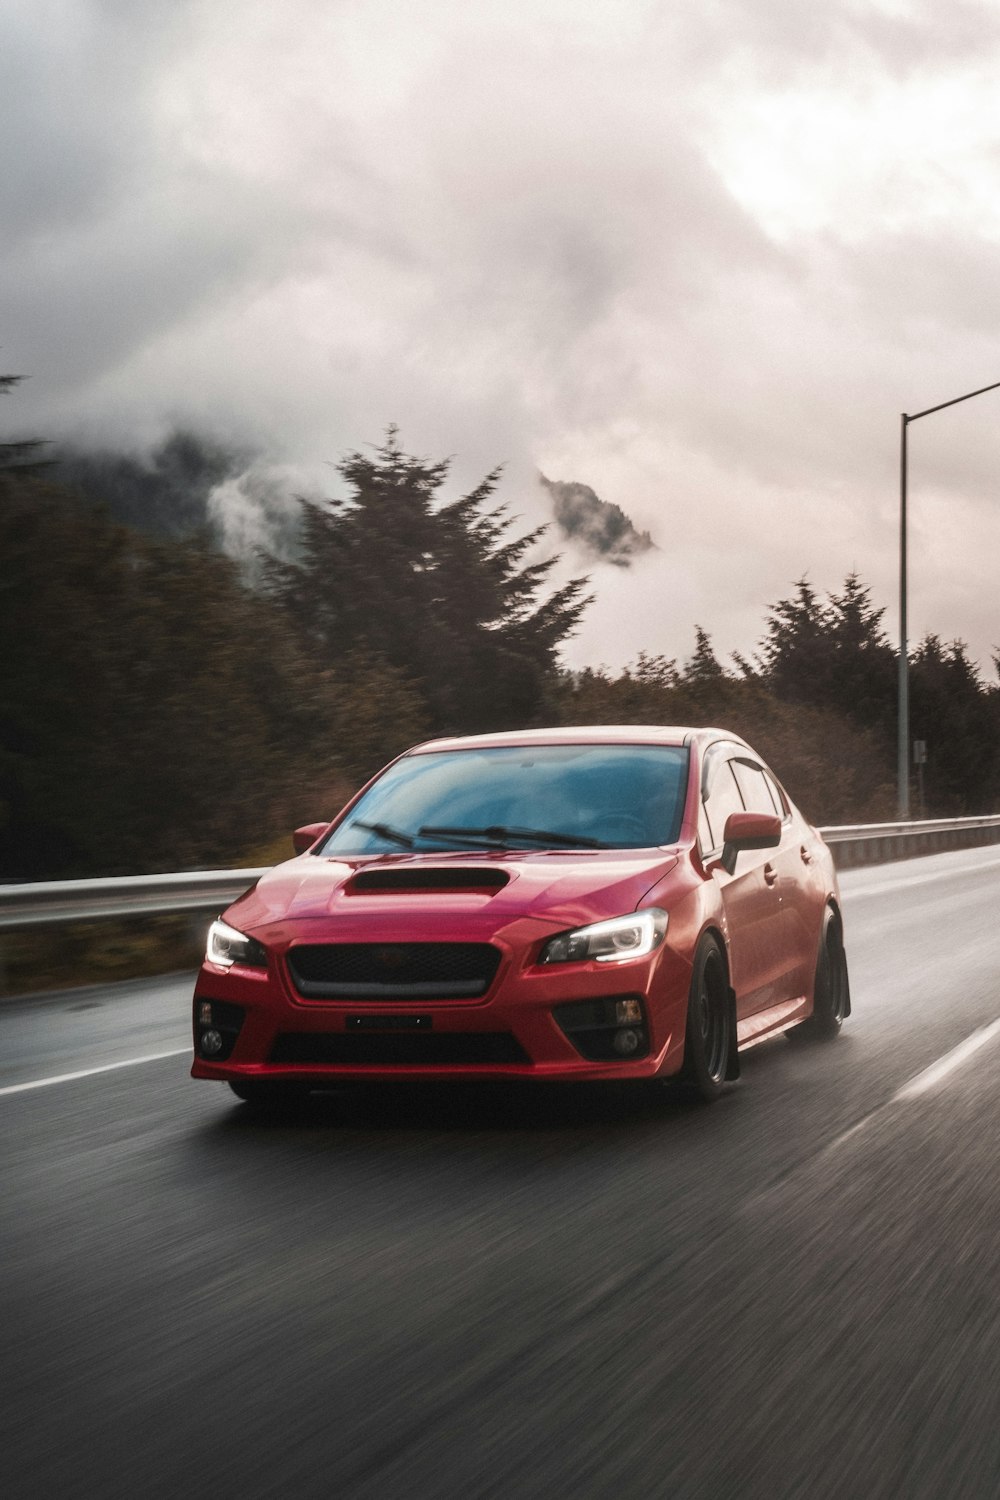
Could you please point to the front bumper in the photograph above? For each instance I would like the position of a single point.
(271, 1032)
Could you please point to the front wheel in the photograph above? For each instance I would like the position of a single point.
(831, 989)
(709, 1023)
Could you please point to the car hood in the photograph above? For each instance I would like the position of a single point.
(559, 888)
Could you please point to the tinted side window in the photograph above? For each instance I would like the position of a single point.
(723, 798)
(753, 785)
(780, 800)
(704, 830)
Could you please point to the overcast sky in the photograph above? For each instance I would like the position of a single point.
(698, 255)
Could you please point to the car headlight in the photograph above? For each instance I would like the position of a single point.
(227, 946)
(609, 942)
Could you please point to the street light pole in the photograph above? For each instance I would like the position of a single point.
(903, 716)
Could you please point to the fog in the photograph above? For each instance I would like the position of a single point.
(697, 258)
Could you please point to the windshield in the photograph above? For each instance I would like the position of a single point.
(521, 797)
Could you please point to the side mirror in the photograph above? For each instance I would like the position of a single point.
(304, 838)
(747, 830)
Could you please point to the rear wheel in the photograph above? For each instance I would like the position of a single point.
(831, 990)
(709, 1023)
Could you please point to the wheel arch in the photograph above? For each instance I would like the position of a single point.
(833, 907)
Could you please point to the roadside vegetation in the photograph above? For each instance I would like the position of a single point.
(164, 708)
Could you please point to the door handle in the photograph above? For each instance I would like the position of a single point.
(807, 858)
(770, 875)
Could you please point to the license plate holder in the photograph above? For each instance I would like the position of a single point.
(389, 1023)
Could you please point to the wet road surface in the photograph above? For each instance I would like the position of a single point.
(555, 1292)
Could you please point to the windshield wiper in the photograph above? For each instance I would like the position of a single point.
(499, 833)
(385, 831)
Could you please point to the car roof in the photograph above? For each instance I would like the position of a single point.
(584, 734)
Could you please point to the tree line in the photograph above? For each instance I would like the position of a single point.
(162, 709)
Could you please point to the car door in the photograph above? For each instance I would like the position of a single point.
(801, 891)
(749, 897)
(785, 870)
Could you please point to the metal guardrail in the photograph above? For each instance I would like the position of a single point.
(877, 843)
(35, 904)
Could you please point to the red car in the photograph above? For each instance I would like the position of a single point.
(626, 902)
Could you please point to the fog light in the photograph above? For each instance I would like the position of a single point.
(211, 1042)
(205, 1013)
(628, 1012)
(626, 1042)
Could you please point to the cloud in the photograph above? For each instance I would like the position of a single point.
(698, 258)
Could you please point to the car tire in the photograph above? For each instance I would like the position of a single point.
(708, 1038)
(831, 987)
(270, 1098)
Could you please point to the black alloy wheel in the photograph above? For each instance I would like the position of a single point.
(709, 1023)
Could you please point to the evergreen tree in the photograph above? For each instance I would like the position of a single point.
(703, 667)
(440, 591)
(955, 716)
(831, 654)
(795, 653)
(863, 665)
(155, 713)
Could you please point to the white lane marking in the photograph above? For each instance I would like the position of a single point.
(923, 1082)
(128, 1062)
(947, 1064)
(919, 1084)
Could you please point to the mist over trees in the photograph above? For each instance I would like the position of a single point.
(162, 708)
(164, 492)
(157, 711)
(22, 455)
(595, 524)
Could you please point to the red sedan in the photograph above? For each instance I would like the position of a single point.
(626, 902)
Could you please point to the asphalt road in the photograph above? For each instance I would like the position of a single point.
(584, 1293)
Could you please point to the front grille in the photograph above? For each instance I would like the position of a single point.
(398, 1049)
(393, 971)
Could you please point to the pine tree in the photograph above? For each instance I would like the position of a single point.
(831, 654)
(703, 667)
(440, 591)
(957, 719)
(795, 653)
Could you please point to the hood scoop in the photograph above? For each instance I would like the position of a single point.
(405, 878)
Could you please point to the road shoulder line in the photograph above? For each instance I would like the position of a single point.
(922, 1082)
(128, 1062)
